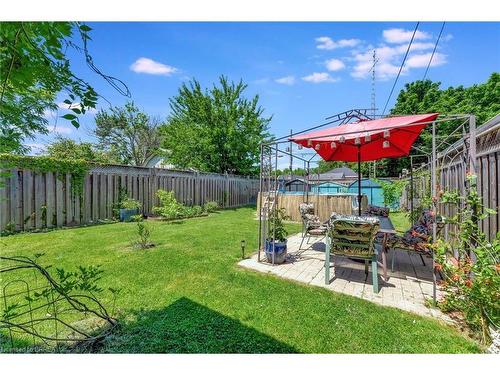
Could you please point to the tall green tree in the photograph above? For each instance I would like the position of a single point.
(33, 70)
(128, 134)
(67, 148)
(481, 100)
(215, 130)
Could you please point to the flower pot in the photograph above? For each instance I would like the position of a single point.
(127, 213)
(276, 248)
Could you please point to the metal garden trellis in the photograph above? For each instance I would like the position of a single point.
(270, 151)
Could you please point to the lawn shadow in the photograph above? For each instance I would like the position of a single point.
(188, 327)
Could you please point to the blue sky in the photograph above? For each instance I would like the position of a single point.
(302, 72)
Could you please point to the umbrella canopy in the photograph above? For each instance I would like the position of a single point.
(389, 137)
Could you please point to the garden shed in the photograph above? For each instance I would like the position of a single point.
(296, 184)
(329, 187)
(371, 188)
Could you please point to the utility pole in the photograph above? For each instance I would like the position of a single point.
(373, 104)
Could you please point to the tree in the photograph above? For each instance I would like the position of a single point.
(66, 148)
(34, 70)
(216, 130)
(481, 100)
(127, 133)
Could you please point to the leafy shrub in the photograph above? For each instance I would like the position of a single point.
(211, 206)
(391, 191)
(169, 207)
(130, 204)
(116, 206)
(277, 226)
(192, 211)
(472, 286)
(143, 233)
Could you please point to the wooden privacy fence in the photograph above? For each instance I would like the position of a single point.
(30, 200)
(452, 169)
(324, 204)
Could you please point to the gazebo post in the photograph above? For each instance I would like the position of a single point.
(434, 206)
(411, 190)
(275, 208)
(359, 180)
(260, 200)
(306, 188)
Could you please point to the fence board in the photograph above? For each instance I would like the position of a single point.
(59, 202)
(15, 202)
(50, 198)
(493, 191)
(27, 200)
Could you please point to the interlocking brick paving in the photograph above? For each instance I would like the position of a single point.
(407, 288)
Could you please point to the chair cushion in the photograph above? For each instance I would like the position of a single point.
(376, 210)
(353, 235)
(320, 231)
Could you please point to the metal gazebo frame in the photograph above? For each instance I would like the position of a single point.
(271, 151)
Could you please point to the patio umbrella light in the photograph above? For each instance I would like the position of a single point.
(367, 140)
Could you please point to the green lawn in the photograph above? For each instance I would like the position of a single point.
(188, 295)
(400, 221)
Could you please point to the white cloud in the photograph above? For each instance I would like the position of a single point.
(403, 36)
(389, 60)
(418, 46)
(334, 64)
(422, 60)
(36, 148)
(148, 66)
(447, 37)
(325, 42)
(319, 78)
(61, 129)
(288, 80)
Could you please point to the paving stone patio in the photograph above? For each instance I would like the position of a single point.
(407, 288)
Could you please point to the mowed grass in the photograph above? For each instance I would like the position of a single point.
(188, 294)
(400, 221)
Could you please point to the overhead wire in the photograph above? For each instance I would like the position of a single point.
(401, 67)
(433, 52)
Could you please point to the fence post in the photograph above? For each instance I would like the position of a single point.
(226, 190)
(196, 193)
(472, 144)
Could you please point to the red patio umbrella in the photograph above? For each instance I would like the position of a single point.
(369, 140)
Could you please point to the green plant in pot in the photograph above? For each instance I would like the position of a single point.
(276, 237)
(128, 208)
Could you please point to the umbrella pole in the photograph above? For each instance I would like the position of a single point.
(359, 180)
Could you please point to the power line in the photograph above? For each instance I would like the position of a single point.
(401, 67)
(433, 51)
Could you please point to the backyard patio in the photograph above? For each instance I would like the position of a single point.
(409, 286)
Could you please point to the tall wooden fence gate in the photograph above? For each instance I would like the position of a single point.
(30, 200)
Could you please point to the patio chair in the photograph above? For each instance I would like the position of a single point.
(417, 238)
(311, 225)
(353, 237)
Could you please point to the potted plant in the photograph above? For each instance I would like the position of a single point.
(276, 238)
(128, 208)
